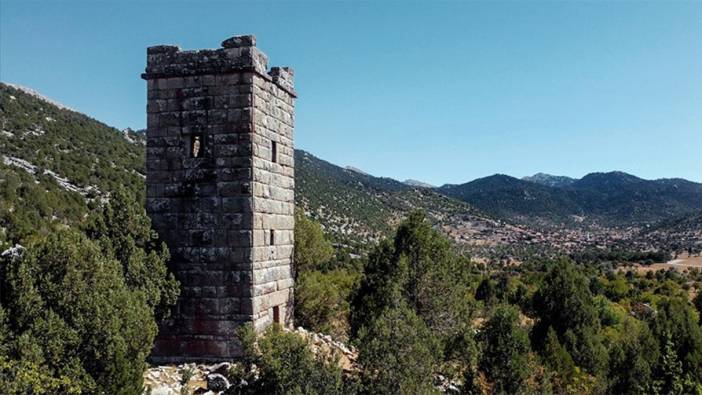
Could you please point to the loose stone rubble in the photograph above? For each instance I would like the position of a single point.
(212, 379)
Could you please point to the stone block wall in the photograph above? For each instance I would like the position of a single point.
(216, 194)
(273, 197)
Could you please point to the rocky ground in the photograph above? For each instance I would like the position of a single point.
(211, 379)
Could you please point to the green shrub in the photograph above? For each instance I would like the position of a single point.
(279, 362)
(322, 301)
(564, 303)
(312, 249)
(419, 270)
(632, 359)
(398, 354)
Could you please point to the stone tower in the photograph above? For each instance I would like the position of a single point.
(220, 192)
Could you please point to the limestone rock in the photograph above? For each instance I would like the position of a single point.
(216, 382)
(239, 41)
(220, 368)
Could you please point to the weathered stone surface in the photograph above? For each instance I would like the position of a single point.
(217, 382)
(239, 41)
(217, 195)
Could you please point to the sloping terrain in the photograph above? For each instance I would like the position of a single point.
(676, 234)
(354, 204)
(55, 161)
(513, 199)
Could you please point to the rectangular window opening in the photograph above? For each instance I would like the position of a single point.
(274, 152)
(276, 314)
(272, 237)
(197, 145)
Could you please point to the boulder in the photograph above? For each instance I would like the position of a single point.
(216, 382)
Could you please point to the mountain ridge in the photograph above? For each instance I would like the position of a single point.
(612, 198)
(550, 180)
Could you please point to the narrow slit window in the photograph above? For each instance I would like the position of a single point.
(196, 145)
(276, 314)
(274, 152)
(272, 237)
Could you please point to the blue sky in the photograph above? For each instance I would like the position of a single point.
(437, 91)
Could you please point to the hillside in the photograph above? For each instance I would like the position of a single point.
(609, 199)
(514, 199)
(354, 204)
(677, 234)
(55, 161)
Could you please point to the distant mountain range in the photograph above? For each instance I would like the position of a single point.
(613, 198)
(73, 159)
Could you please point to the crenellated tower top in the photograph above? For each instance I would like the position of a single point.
(238, 54)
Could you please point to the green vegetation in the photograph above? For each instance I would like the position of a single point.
(312, 250)
(78, 309)
(505, 355)
(420, 311)
(79, 148)
(354, 207)
(279, 362)
(322, 301)
(86, 153)
(323, 285)
(81, 298)
(398, 353)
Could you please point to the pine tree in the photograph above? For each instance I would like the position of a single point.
(505, 355)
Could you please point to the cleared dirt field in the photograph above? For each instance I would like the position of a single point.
(681, 263)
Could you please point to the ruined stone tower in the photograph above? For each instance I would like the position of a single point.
(220, 192)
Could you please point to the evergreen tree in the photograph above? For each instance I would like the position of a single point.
(124, 231)
(398, 353)
(420, 270)
(312, 249)
(632, 359)
(557, 358)
(698, 304)
(676, 322)
(79, 314)
(505, 355)
(670, 371)
(564, 303)
(486, 291)
(72, 315)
